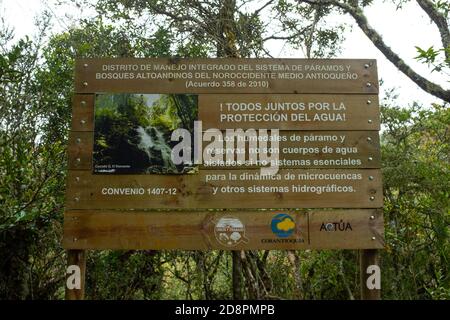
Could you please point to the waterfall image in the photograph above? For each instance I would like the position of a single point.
(132, 132)
(153, 143)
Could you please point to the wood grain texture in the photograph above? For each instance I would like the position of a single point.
(122, 76)
(363, 190)
(337, 229)
(358, 112)
(80, 148)
(366, 144)
(359, 149)
(361, 111)
(195, 230)
(83, 112)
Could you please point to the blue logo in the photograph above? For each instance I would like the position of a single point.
(283, 225)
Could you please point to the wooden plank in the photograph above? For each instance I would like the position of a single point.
(80, 147)
(290, 111)
(359, 109)
(83, 112)
(296, 188)
(244, 75)
(298, 149)
(337, 229)
(201, 230)
(310, 149)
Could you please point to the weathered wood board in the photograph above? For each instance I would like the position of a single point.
(83, 112)
(226, 75)
(335, 149)
(361, 112)
(198, 230)
(309, 188)
(290, 111)
(327, 112)
(79, 150)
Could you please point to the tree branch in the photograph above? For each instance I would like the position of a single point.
(441, 22)
(257, 11)
(296, 264)
(358, 15)
(288, 37)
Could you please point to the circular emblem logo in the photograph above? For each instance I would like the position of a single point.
(283, 225)
(229, 231)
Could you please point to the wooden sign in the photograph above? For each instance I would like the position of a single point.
(202, 230)
(125, 190)
(298, 149)
(318, 149)
(294, 112)
(289, 188)
(226, 75)
(290, 111)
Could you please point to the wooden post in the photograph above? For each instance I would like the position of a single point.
(75, 258)
(236, 275)
(369, 262)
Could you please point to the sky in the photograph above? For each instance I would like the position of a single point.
(402, 30)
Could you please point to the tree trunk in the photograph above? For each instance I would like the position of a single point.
(237, 275)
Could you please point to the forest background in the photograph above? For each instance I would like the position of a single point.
(36, 88)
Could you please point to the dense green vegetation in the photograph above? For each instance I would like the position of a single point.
(36, 87)
(134, 131)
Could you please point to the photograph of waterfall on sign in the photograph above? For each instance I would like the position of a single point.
(132, 132)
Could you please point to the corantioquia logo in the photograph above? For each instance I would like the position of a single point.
(283, 225)
(229, 149)
(230, 231)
